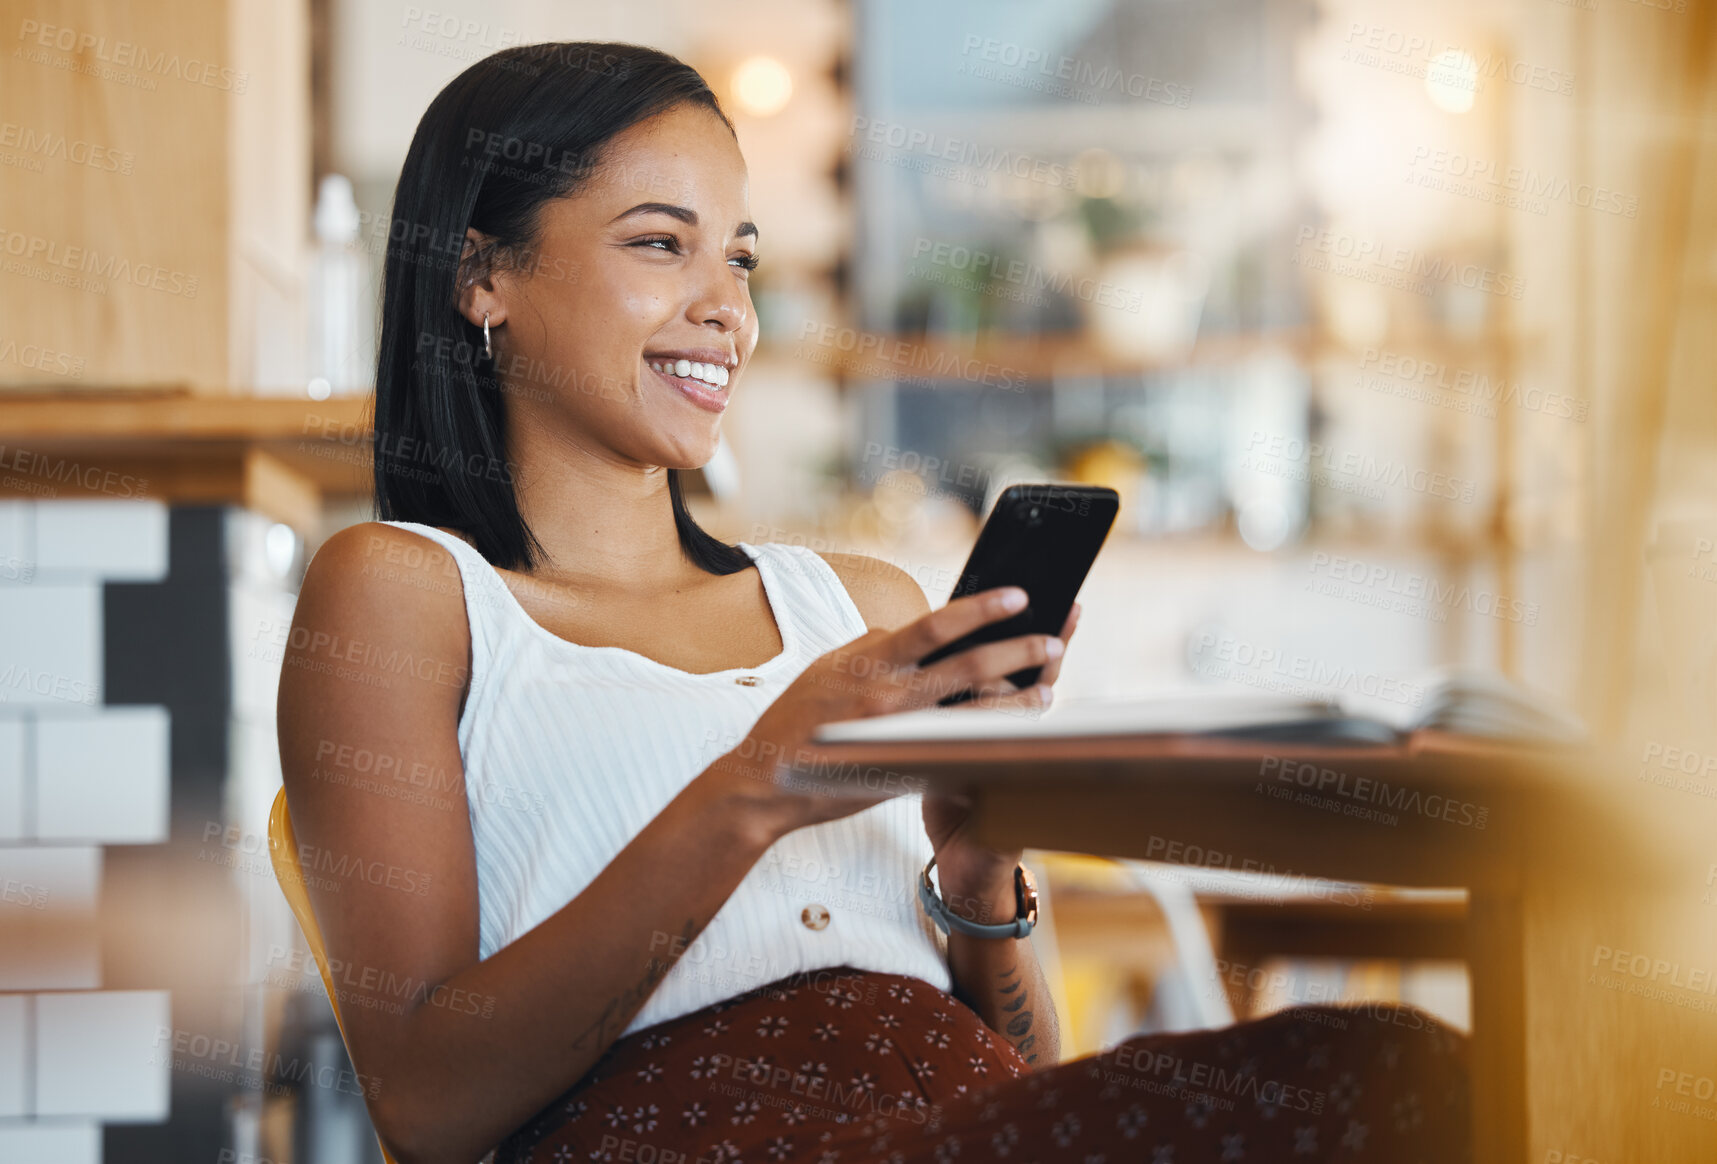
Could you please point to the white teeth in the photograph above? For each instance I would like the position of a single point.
(713, 374)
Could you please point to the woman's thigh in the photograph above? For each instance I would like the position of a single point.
(1384, 1083)
(840, 1066)
(774, 1074)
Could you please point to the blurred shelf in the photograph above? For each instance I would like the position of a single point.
(280, 456)
(1009, 360)
(131, 415)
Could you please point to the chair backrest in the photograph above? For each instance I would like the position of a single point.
(283, 853)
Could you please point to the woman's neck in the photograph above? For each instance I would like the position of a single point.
(602, 524)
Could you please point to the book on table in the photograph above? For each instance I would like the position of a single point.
(1462, 702)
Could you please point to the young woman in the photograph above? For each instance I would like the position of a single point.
(533, 725)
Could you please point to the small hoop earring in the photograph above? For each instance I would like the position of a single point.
(488, 351)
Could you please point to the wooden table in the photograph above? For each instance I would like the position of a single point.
(1575, 873)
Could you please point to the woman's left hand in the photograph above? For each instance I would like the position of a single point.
(963, 867)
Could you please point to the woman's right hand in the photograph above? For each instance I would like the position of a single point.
(878, 674)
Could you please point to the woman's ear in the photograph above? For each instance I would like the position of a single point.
(479, 293)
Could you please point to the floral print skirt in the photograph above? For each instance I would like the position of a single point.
(840, 1066)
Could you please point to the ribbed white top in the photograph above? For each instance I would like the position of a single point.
(569, 751)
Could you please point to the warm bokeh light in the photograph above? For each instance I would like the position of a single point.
(1453, 80)
(762, 86)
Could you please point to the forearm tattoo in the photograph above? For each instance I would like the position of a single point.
(1017, 1018)
(618, 1011)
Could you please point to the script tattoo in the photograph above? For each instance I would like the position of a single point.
(618, 1011)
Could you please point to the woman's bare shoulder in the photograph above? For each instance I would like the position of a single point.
(886, 596)
(386, 581)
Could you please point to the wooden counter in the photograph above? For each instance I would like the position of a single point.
(280, 456)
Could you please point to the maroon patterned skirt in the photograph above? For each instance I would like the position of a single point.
(839, 1066)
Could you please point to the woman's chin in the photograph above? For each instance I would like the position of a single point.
(691, 454)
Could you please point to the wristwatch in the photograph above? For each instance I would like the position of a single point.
(1025, 900)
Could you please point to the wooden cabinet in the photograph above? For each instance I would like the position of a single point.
(154, 202)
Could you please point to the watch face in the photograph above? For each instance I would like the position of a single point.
(1027, 895)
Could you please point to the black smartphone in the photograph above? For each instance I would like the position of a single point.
(1043, 539)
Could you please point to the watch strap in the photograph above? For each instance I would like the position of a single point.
(948, 921)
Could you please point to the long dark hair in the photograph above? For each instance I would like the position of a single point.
(514, 131)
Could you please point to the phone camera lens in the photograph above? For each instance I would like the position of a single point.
(1028, 512)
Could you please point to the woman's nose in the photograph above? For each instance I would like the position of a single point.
(729, 316)
(723, 302)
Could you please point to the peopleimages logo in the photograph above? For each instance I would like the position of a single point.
(1367, 790)
(1415, 54)
(449, 27)
(374, 988)
(1684, 760)
(986, 267)
(40, 359)
(124, 54)
(1392, 580)
(1657, 971)
(888, 358)
(1223, 656)
(1341, 253)
(1187, 855)
(342, 866)
(44, 467)
(958, 151)
(30, 248)
(195, 1053)
(1264, 450)
(1238, 1081)
(50, 145)
(1064, 76)
(1410, 377)
(1489, 181)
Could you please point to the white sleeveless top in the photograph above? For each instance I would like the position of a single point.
(569, 751)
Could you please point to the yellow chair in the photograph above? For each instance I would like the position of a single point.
(283, 852)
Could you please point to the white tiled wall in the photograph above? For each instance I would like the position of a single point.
(52, 636)
(74, 775)
(67, 1142)
(112, 540)
(12, 761)
(77, 773)
(17, 551)
(103, 1054)
(14, 1050)
(102, 777)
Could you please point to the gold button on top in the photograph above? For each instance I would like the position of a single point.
(748, 681)
(815, 917)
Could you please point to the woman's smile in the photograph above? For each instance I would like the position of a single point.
(701, 375)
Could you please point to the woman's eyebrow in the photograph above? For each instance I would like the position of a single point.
(684, 213)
